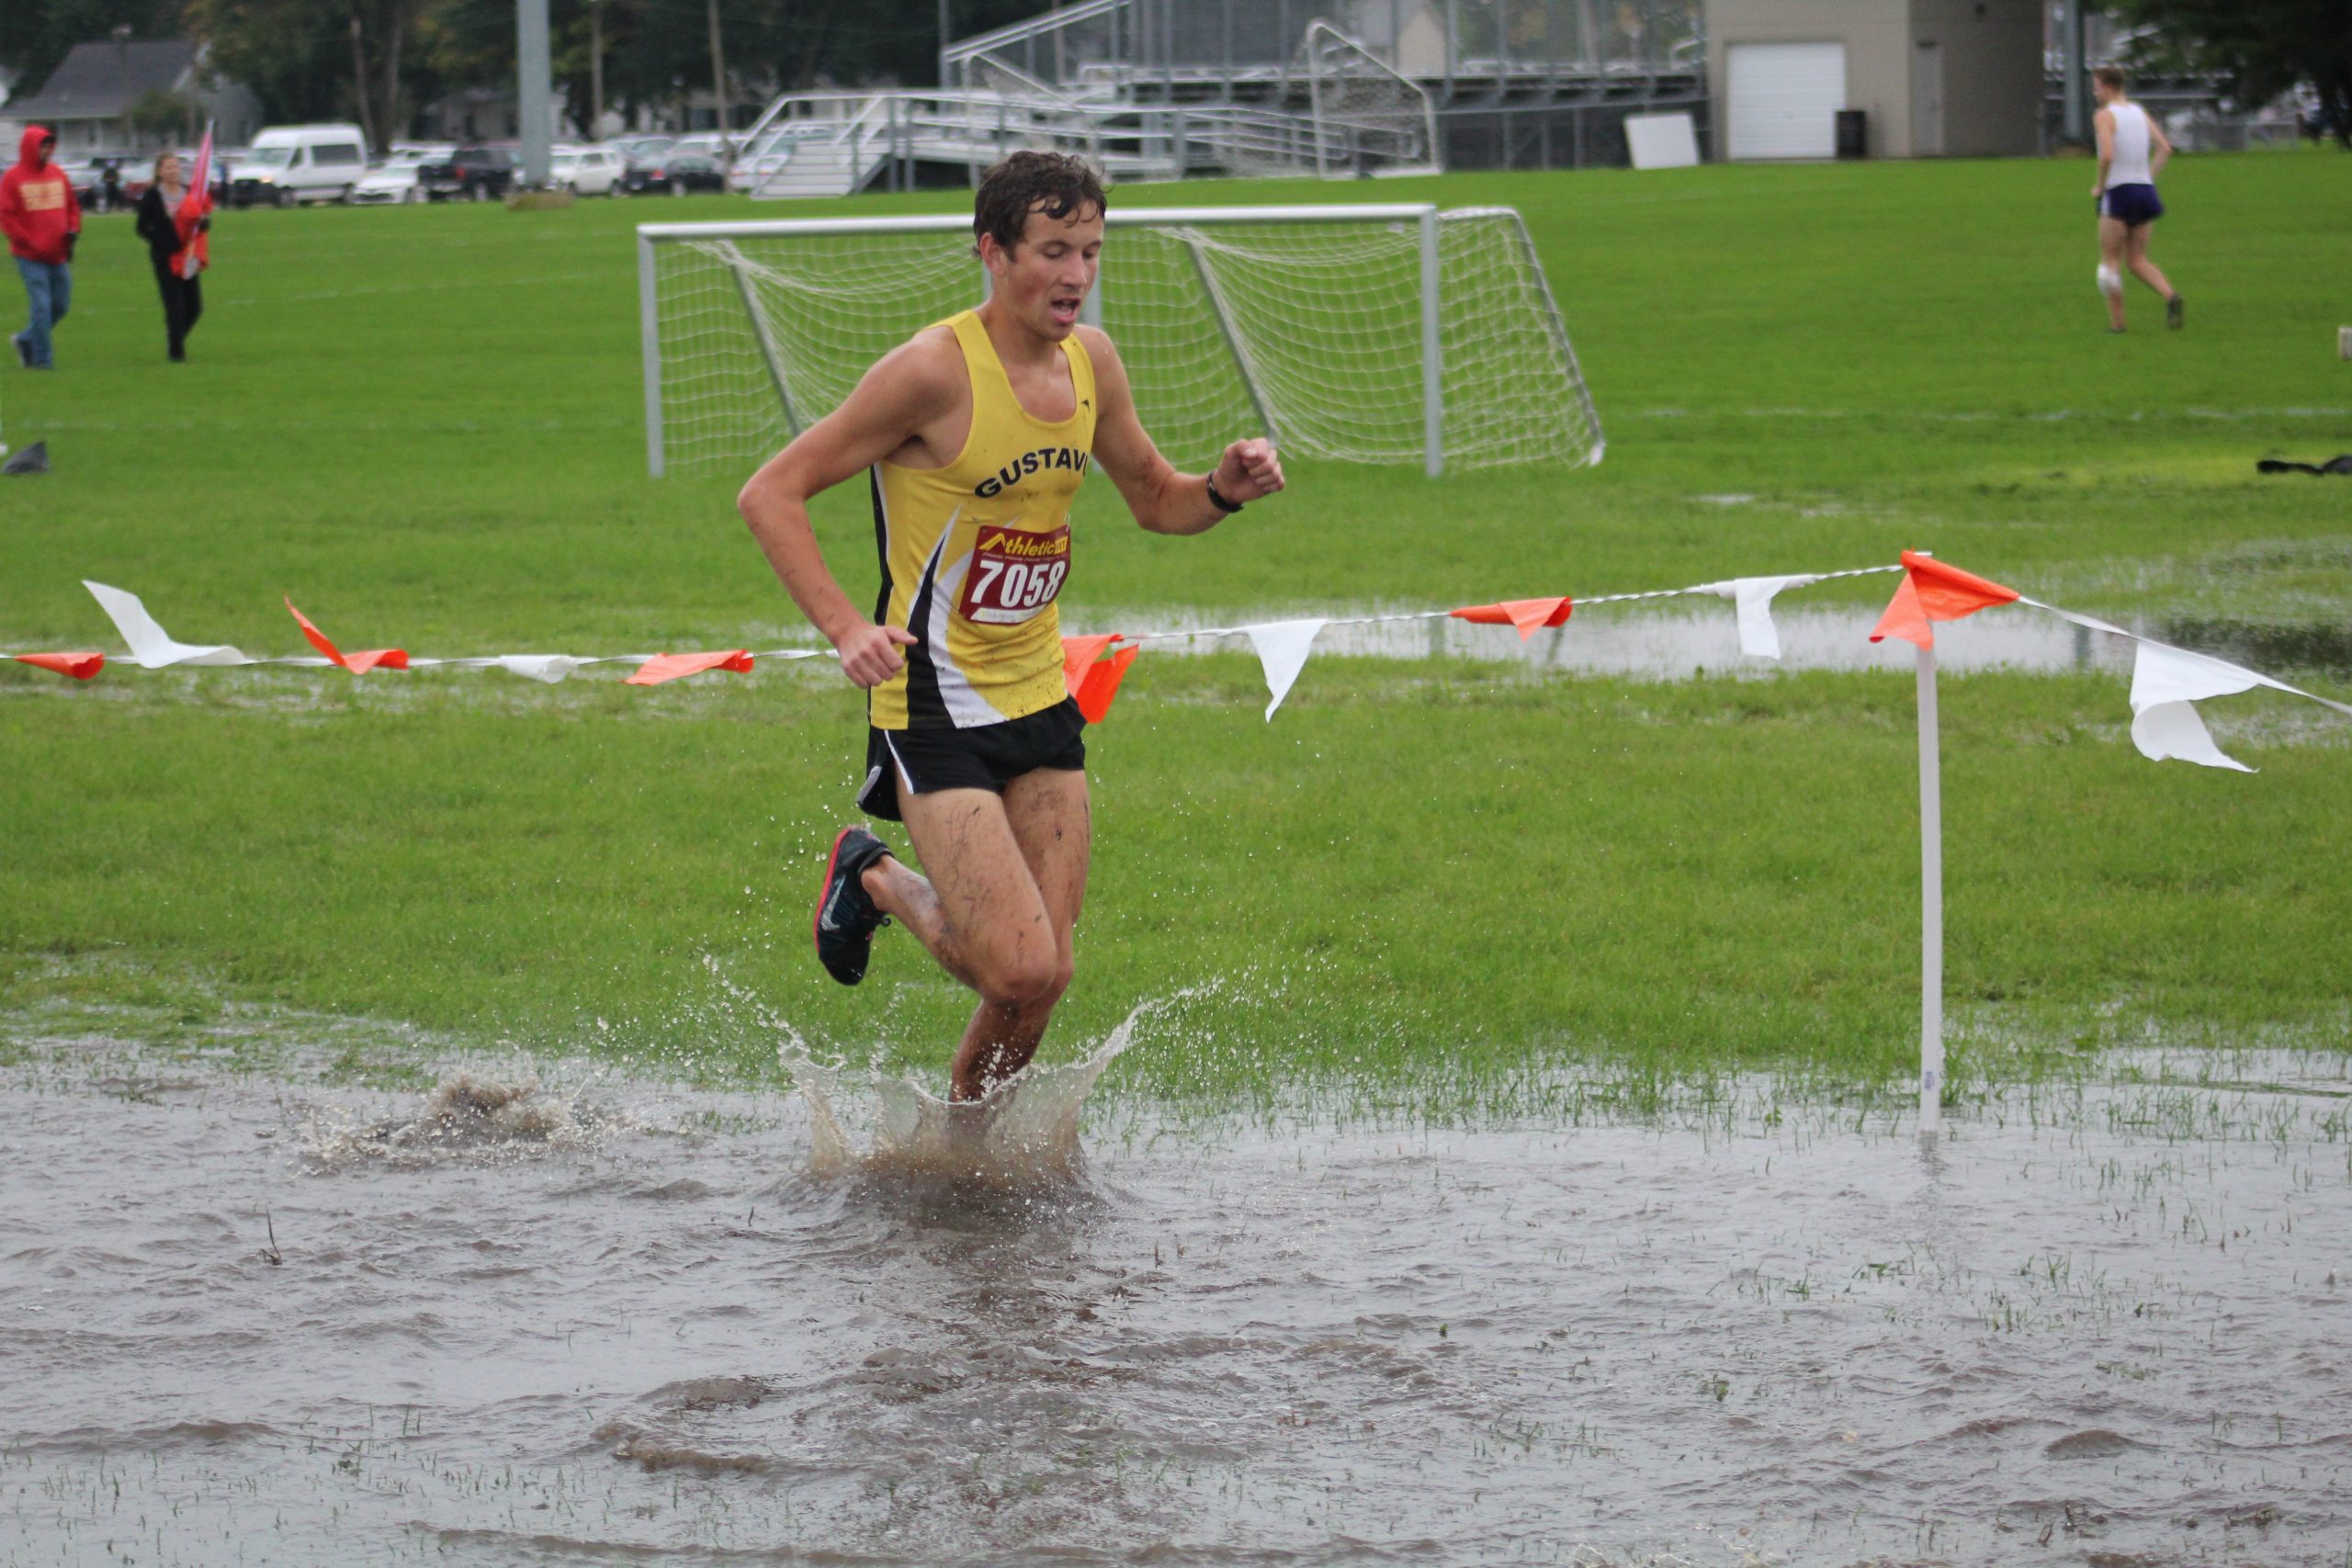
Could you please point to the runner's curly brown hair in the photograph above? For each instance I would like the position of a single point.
(1059, 184)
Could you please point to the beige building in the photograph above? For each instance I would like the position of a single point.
(1933, 78)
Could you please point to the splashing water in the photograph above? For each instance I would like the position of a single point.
(464, 1115)
(1023, 1133)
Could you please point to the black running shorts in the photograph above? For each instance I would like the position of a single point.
(918, 761)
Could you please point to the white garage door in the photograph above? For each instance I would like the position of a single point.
(1785, 98)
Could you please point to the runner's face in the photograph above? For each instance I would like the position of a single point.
(1046, 277)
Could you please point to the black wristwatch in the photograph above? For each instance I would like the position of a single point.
(1216, 499)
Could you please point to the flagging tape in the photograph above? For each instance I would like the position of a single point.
(2166, 681)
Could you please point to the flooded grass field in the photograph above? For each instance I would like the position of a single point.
(543, 1314)
(1512, 1189)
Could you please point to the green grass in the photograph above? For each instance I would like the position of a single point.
(424, 426)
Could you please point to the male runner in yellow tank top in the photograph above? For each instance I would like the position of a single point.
(976, 432)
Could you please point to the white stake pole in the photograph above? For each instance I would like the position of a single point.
(1931, 905)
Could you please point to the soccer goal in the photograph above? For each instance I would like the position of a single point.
(1392, 333)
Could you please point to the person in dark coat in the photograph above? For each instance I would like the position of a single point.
(168, 248)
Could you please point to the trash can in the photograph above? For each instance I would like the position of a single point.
(1853, 133)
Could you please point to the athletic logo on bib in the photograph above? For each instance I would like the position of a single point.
(1014, 574)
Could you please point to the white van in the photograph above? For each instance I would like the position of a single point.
(288, 163)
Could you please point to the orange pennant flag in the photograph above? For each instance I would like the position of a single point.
(1932, 592)
(1906, 617)
(81, 666)
(1102, 683)
(1078, 653)
(676, 666)
(357, 664)
(1528, 614)
(1094, 683)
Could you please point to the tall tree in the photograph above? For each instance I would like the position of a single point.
(380, 33)
(2262, 48)
(295, 55)
(324, 59)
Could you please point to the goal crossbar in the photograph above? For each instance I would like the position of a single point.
(1125, 217)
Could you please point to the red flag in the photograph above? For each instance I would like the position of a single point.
(1094, 684)
(81, 666)
(1102, 683)
(196, 245)
(676, 666)
(1527, 615)
(357, 664)
(1077, 652)
(1932, 592)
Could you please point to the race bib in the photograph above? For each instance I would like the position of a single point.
(1014, 574)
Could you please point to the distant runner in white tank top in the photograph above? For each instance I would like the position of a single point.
(2132, 150)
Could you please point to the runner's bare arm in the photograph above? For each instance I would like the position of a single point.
(906, 392)
(2103, 131)
(1164, 500)
(2161, 148)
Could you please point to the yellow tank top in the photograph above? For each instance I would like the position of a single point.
(975, 554)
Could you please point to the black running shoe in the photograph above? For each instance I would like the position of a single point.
(846, 918)
(2175, 309)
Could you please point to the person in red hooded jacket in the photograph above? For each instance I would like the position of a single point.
(42, 220)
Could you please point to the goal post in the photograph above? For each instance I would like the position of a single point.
(1390, 333)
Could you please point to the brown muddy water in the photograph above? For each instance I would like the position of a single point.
(547, 1314)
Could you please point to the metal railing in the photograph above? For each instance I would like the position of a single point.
(1165, 49)
(862, 131)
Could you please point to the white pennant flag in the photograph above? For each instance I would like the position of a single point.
(1759, 638)
(150, 645)
(1282, 648)
(2167, 683)
(2174, 729)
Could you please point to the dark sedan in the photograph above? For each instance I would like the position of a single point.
(675, 176)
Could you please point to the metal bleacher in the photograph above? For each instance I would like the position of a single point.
(1163, 89)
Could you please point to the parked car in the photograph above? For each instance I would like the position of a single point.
(87, 173)
(677, 177)
(640, 150)
(586, 171)
(473, 174)
(290, 163)
(81, 171)
(393, 180)
(704, 144)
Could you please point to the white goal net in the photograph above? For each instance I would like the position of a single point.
(1372, 335)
